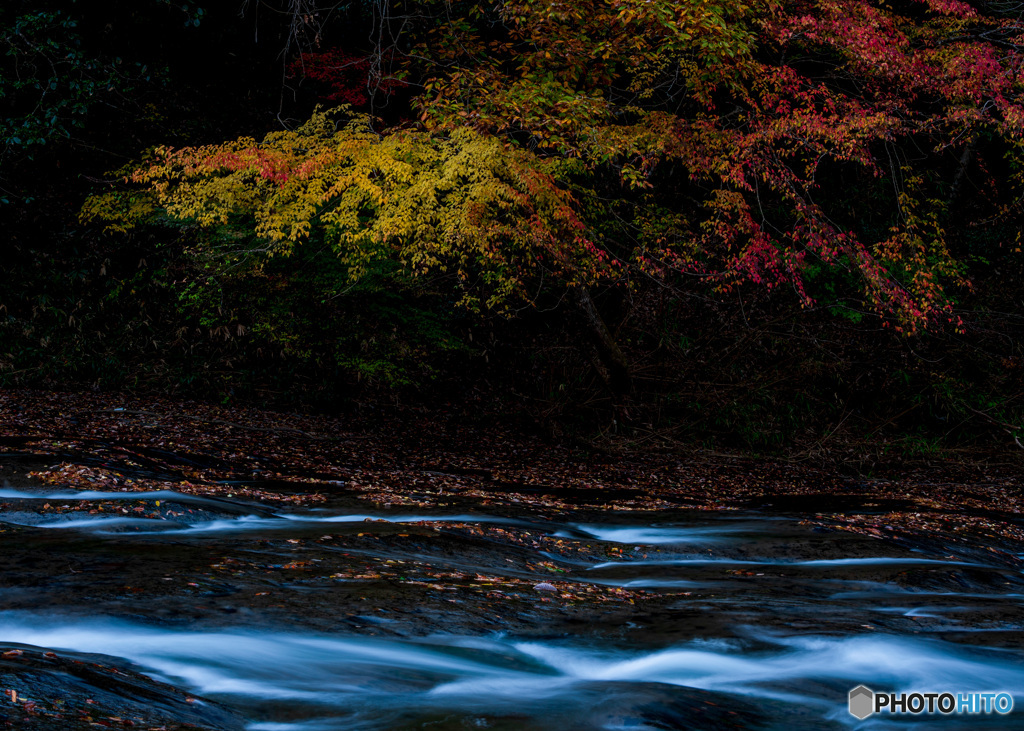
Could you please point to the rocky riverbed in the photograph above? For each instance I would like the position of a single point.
(172, 566)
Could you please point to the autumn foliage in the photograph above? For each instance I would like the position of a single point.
(339, 77)
(617, 141)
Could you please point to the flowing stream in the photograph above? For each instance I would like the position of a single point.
(275, 618)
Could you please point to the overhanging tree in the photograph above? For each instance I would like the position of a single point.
(558, 146)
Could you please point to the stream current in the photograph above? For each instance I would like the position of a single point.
(290, 618)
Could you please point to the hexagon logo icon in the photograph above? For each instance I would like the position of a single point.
(862, 702)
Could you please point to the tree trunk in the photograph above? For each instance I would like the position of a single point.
(612, 365)
(961, 172)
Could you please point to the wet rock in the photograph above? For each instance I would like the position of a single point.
(41, 689)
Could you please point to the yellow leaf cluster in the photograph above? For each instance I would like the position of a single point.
(461, 204)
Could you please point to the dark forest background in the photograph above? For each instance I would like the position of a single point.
(89, 87)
